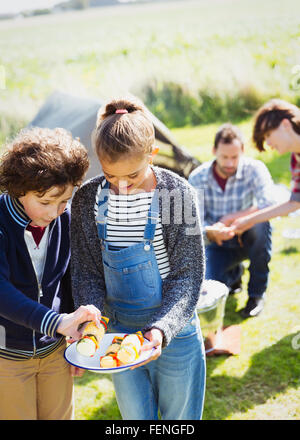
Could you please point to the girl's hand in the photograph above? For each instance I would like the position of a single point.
(76, 371)
(69, 323)
(155, 336)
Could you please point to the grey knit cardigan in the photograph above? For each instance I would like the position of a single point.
(183, 240)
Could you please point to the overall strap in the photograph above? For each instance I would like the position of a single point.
(152, 219)
(102, 211)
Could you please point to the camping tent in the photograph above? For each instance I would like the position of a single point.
(78, 115)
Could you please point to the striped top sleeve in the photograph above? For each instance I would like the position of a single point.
(126, 220)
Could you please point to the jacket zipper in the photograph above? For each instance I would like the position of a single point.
(39, 284)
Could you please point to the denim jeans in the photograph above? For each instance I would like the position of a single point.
(222, 262)
(172, 385)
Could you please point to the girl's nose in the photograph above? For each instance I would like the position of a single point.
(122, 183)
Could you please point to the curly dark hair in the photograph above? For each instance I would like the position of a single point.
(40, 158)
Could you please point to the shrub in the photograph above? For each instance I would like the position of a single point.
(177, 106)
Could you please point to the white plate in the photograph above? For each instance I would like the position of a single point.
(92, 363)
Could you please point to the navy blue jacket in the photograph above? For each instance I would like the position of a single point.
(29, 313)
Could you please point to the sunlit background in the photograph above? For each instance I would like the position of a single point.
(196, 64)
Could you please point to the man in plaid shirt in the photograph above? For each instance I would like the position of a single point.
(233, 186)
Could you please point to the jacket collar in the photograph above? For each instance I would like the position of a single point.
(16, 210)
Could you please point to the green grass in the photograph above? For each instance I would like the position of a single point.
(192, 62)
(262, 382)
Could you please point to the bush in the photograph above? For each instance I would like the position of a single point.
(177, 106)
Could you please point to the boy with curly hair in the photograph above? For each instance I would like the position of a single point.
(38, 174)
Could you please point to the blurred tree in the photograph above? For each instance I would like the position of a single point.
(80, 4)
(41, 11)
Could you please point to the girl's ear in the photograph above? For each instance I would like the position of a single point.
(153, 153)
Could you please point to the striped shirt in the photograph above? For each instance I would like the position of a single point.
(126, 220)
(295, 170)
(22, 355)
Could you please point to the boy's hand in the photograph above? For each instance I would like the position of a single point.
(69, 323)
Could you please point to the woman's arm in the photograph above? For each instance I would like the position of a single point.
(230, 218)
(242, 224)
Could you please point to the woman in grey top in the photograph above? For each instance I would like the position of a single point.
(139, 258)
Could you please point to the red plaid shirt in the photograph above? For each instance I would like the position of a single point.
(295, 170)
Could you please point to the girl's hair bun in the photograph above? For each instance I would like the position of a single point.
(123, 126)
(131, 104)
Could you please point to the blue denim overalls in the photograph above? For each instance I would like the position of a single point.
(174, 384)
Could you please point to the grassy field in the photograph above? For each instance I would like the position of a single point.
(196, 64)
(262, 382)
(191, 61)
